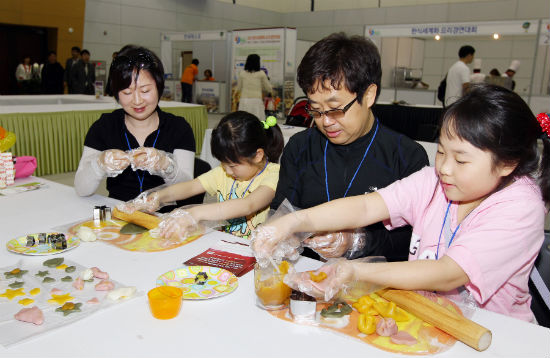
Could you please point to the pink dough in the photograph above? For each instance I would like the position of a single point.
(56, 291)
(93, 301)
(403, 337)
(386, 327)
(31, 315)
(100, 274)
(78, 283)
(104, 285)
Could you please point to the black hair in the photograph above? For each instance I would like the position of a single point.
(240, 134)
(84, 52)
(209, 71)
(495, 119)
(51, 53)
(465, 51)
(349, 62)
(494, 72)
(252, 63)
(75, 48)
(130, 60)
(195, 62)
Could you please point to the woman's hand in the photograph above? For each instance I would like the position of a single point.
(155, 161)
(113, 161)
(338, 244)
(147, 201)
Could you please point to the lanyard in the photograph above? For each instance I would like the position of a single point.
(356, 171)
(140, 179)
(442, 226)
(249, 184)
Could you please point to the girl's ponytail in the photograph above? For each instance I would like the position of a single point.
(544, 177)
(275, 139)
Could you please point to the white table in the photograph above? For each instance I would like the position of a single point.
(229, 326)
(206, 152)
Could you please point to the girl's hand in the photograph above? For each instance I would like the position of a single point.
(340, 273)
(113, 161)
(179, 225)
(147, 201)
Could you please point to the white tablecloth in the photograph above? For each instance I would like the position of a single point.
(206, 153)
(229, 326)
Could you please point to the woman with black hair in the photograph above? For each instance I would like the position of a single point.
(250, 84)
(139, 146)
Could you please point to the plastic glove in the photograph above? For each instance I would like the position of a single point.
(155, 161)
(271, 244)
(147, 201)
(113, 162)
(179, 224)
(347, 243)
(339, 273)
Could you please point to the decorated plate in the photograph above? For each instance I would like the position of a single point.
(19, 245)
(219, 282)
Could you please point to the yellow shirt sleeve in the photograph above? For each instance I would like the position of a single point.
(212, 180)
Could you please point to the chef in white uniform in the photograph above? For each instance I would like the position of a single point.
(477, 76)
(511, 71)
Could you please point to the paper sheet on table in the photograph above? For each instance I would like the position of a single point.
(14, 331)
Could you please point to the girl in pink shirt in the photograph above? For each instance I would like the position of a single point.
(477, 217)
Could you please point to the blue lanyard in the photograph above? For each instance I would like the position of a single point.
(442, 226)
(249, 184)
(356, 171)
(140, 179)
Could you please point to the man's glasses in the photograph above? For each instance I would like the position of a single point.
(337, 113)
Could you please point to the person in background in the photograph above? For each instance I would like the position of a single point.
(188, 77)
(477, 217)
(23, 74)
(108, 91)
(349, 152)
(244, 183)
(83, 75)
(75, 57)
(251, 83)
(208, 76)
(477, 76)
(511, 71)
(139, 146)
(458, 77)
(52, 75)
(494, 72)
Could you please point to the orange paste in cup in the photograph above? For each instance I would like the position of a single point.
(272, 291)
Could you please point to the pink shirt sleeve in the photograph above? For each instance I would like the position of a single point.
(406, 199)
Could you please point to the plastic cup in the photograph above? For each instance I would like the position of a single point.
(272, 294)
(165, 301)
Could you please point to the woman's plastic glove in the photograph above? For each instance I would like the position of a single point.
(271, 244)
(179, 225)
(113, 162)
(340, 273)
(148, 201)
(349, 243)
(155, 161)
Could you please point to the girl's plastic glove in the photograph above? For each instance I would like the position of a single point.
(271, 244)
(147, 201)
(340, 274)
(113, 162)
(155, 161)
(349, 243)
(179, 224)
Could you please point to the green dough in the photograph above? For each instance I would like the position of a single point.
(338, 309)
(67, 279)
(132, 229)
(48, 280)
(54, 262)
(66, 311)
(70, 269)
(90, 280)
(17, 274)
(42, 273)
(17, 284)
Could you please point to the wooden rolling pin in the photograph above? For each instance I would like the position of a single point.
(463, 329)
(137, 217)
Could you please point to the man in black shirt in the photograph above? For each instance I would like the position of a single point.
(52, 76)
(349, 152)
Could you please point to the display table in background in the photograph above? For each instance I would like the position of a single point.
(53, 127)
(416, 122)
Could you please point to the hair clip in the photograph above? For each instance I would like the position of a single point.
(270, 122)
(544, 122)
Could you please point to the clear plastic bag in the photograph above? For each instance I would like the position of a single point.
(154, 161)
(347, 243)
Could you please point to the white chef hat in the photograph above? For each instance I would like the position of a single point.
(477, 64)
(514, 65)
